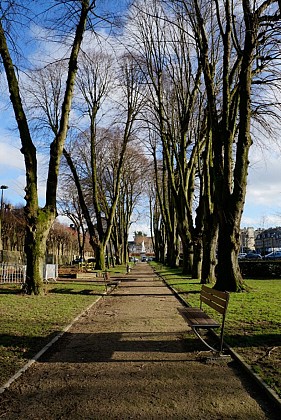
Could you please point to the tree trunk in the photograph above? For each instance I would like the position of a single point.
(187, 254)
(172, 252)
(230, 205)
(37, 230)
(100, 257)
(227, 270)
(197, 259)
(39, 221)
(210, 236)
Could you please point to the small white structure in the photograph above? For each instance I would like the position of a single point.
(16, 273)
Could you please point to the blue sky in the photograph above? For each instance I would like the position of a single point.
(263, 200)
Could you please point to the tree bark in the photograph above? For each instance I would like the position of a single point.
(231, 203)
(35, 249)
(39, 221)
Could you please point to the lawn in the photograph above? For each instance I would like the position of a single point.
(30, 322)
(253, 322)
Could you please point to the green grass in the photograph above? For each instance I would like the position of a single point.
(27, 323)
(253, 321)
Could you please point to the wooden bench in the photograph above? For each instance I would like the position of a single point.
(198, 319)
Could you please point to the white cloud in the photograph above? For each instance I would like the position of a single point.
(264, 181)
(136, 227)
(263, 198)
(11, 156)
(12, 171)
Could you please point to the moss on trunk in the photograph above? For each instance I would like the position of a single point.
(37, 230)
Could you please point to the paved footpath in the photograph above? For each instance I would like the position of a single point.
(132, 356)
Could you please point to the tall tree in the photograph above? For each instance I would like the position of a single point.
(135, 176)
(105, 168)
(230, 41)
(69, 206)
(165, 53)
(40, 219)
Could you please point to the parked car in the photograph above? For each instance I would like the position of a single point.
(78, 260)
(275, 255)
(253, 256)
(242, 255)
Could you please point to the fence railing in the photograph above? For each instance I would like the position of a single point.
(12, 273)
(16, 273)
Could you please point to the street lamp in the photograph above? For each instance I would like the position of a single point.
(2, 187)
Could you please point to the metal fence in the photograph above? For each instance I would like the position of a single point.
(16, 273)
(12, 273)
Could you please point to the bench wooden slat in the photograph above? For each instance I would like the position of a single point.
(220, 297)
(198, 319)
(214, 291)
(213, 305)
(220, 300)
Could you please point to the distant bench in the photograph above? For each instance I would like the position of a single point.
(104, 278)
(98, 278)
(198, 319)
(107, 282)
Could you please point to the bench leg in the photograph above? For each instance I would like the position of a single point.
(205, 342)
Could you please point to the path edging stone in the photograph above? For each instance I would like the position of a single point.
(45, 348)
(273, 396)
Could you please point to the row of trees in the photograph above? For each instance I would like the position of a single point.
(62, 245)
(179, 85)
(103, 164)
(213, 74)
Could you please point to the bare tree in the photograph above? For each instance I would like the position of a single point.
(69, 206)
(13, 229)
(166, 55)
(39, 220)
(106, 163)
(133, 189)
(203, 62)
(61, 243)
(229, 41)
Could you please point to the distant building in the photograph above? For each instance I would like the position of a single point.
(247, 239)
(139, 243)
(268, 240)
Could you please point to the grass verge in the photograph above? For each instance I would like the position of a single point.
(253, 321)
(28, 323)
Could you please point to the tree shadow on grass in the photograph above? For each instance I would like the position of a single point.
(68, 291)
(11, 290)
(254, 340)
(182, 283)
(188, 292)
(62, 290)
(24, 346)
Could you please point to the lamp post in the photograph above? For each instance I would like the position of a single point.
(2, 187)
